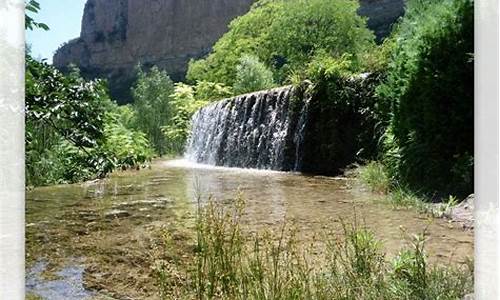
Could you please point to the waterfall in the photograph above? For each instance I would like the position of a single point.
(257, 130)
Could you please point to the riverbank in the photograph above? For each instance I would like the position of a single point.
(120, 229)
(373, 178)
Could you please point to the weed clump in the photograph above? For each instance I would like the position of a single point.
(229, 262)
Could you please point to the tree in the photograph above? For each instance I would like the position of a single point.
(153, 105)
(30, 23)
(252, 75)
(284, 35)
(65, 118)
(430, 90)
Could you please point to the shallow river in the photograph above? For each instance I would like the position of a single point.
(79, 236)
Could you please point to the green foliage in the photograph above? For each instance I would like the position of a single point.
(429, 92)
(152, 104)
(72, 107)
(211, 91)
(64, 122)
(252, 75)
(375, 177)
(247, 34)
(125, 146)
(231, 262)
(284, 35)
(33, 6)
(73, 131)
(306, 28)
(344, 109)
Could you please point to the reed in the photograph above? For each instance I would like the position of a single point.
(230, 262)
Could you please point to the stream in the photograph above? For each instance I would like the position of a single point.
(92, 240)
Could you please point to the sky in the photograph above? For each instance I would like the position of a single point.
(64, 19)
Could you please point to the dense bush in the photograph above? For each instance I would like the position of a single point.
(344, 129)
(126, 147)
(152, 104)
(284, 35)
(69, 128)
(64, 121)
(252, 75)
(429, 92)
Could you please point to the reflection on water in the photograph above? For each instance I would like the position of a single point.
(121, 208)
(67, 286)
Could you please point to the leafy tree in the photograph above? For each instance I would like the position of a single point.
(252, 75)
(153, 105)
(33, 6)
(64, 123)
(125, 146)
(73, 130)
(430, 93)
(284, 35)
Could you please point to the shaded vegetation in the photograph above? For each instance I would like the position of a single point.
(429, 98)
(71, 133)
(416, 114)
(344, 129)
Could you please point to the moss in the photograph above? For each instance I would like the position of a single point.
(342, 127)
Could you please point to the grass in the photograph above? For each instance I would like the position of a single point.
(230, 262)
(375, 177)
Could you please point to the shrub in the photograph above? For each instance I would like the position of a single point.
(73, 130)
(430, 90)
(65, 118)
(375, 176)
(252, 75)
(126, 147)
(345, 127)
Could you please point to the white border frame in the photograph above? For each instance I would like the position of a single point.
(487, 280)
(12, 149)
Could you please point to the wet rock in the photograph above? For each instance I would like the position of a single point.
(116, 213)
(88, 215)
(153, 203)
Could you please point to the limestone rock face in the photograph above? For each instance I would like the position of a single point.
(116, 35)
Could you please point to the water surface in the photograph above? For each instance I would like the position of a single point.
(111, 226)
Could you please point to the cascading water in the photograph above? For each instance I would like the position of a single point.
(258, 130)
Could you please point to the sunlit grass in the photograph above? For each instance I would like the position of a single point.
(375, 177)
(230, 262)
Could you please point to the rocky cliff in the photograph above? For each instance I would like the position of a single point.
(116, 35)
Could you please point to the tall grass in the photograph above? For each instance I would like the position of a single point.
(375, 177)
(230, 263)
